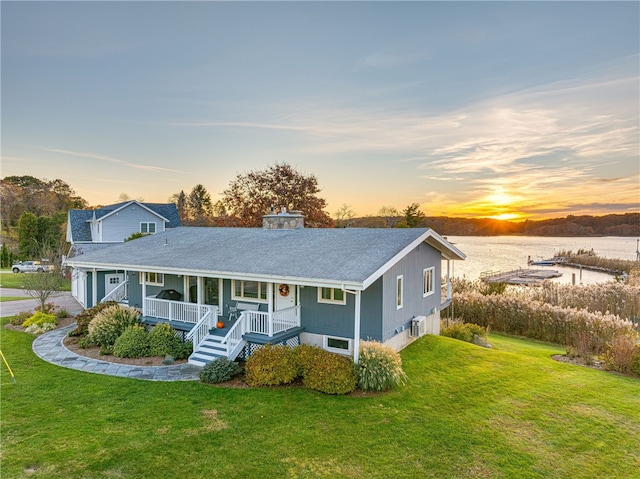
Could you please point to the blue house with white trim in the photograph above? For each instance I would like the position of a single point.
(90, 230)
(231, 290)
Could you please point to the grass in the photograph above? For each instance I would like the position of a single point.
(13, 298)
(466, 412)
(9, 279)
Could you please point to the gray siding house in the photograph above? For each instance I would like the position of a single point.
(231, 290)
(90, 230)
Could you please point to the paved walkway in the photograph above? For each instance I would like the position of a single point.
(50, 348)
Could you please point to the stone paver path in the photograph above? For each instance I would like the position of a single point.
(50, 348)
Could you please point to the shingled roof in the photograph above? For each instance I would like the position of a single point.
(81, 230)
(351, 256)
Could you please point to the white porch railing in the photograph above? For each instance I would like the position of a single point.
(446, 292)
(119, 293)
(177, 310)
(258, 322)
(200, 331)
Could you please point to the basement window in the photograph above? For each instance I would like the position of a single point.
(337, 345)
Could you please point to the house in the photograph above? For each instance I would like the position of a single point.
(232, 290)
(90, 230)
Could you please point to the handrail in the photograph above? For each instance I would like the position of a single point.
(234, 337)
(114, 294)
(199, 332)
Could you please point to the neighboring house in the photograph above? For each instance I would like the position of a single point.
(90, 230)
(282, 284)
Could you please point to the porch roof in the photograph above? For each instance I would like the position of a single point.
(354, 257)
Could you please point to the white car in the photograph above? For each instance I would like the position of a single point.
(30, 267)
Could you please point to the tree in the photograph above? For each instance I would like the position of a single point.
(390, 215)
(251, 195)
(412, 215)
(199, 206)
(38, 233)
(42, 286)
(180, 200)
(343, 216)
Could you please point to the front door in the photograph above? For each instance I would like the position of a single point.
(111, 282)
(285, 295)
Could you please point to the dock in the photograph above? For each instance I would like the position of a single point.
(526, 277)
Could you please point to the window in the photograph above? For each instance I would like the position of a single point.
(147, 228)
(153, 279)
(399, 292)
(337, 345)
(427, 281)
(331, 296)
(212, 291)
(249, 290)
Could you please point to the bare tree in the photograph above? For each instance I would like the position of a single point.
(390, 214)
(46, 285)
(344, 215)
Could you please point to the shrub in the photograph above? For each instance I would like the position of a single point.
(621, 354)
(132, 343)
(162, 338)
(271, 366)
(330, 373)
(110, 323)
(379, 367)
(39, 319)
(85, 317)
(305, 355)
(182, 350)
(164, 342)
(468, 332)
(49, 308)
(635, 363)
(62, 313)
(219, 370)
(85, 342)
(21, 317)
(40, 328)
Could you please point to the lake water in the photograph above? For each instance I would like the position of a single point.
(504, 253)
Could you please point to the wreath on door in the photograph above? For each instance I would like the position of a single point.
(284, 289)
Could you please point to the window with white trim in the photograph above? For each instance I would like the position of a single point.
(399, 292)
(153, 279)
(331, 296)
(253, 290)
(337, 345)
(428, 275)
(148, 228)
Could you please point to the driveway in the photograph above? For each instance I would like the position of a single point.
(11, 308)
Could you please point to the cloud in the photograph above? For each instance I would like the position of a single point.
(388, 58)
(97, 156)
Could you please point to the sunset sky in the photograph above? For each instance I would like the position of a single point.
(503, 109)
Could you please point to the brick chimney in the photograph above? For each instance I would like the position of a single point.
(284, 220)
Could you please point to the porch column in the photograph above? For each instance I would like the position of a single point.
(448, 280)
(270, 290)
(143, 277)
(94, 287)
(356, 328)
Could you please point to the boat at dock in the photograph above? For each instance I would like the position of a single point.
(525, 277)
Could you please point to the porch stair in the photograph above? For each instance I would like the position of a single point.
(210, 349)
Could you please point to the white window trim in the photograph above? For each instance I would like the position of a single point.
(346, 352)
(244, 298)
(400, 282)
(425, 273)
(148, 223)
(152, 283)
(342, 302)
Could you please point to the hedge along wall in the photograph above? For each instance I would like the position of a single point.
(537, 320)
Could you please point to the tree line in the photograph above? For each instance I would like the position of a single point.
(34, 212)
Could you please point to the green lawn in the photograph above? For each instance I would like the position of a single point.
(467, 412)
(9, 279)
(13, 298)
